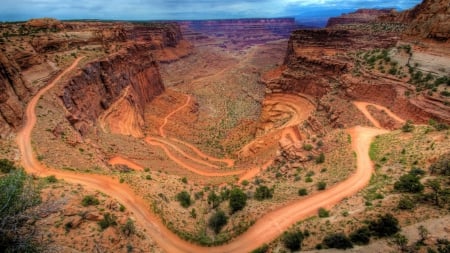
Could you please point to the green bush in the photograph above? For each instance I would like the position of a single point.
(217, 221)
(263, 249)
(385, 225)
(89, 200)
(408, 127)
(361, 236)
(441, 166)
(302, 192)
(323, 213)
(409, 183)
(128, 228)
(51, 179)
(321, 186)
(405, 203)
(213, 199)
(6, 166)
(263, 192)
(108, 220)
(307, 147)
(320, 158)
(184, 198)
(293, 240)
(238, 200)
(337, 241)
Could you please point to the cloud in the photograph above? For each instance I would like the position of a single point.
(182, 9)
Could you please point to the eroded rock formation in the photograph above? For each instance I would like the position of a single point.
(359, 16)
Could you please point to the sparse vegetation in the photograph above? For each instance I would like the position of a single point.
(338, 241)
(107, 221)
(184, 198)
(217, 221)
(323, 213)
(293, 240)
(263, 192)
(89, 200)
(238, 200)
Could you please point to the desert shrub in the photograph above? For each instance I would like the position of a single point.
(307, 147)
(263, 249)
(6, 166)
(323, 213)
(89, 200)
(128, 228)
(263, 192)
(321, 185)
(238, 200)
(405, 203)
(293, 240)
(385, 225)
(408, 127)
(302, 192)
(108, 220)
(441, 166)
(320, 158)
(337, 241)
(18, 193)
(184, 198)
(213, 199)
(217, 221)
(184, 180)
(51, 179)
(409, 183)
(361, 236)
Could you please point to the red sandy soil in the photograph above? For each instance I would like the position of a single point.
(264, 230)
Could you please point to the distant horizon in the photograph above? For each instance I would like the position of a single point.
(182, 10)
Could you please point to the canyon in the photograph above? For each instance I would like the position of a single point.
(135, 113)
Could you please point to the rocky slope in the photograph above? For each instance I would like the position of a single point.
(238, 32)
(123, 82)
(330, 61)
(430, 19)
(33, 52)
(359, 16)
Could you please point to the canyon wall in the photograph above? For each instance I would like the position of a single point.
(359, 16)
(238, 33)
(131, 76)
(125, 55)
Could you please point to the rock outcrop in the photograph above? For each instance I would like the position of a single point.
(34, 51)
(359, 16)
(430, 19)
(130, 77)
(13, 92)
(238, 33)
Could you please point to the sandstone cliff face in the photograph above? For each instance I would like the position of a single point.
(359, 16)
(13, 92)
(131, 75)
(316, 59)
(430, 19)
(33, 52)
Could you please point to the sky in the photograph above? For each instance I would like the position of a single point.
(16, 10)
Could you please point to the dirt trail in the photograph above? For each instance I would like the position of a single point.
(264, 230)
(362, 106)
(118, 160)
(166, 119)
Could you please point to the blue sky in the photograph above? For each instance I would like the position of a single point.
(12, 10)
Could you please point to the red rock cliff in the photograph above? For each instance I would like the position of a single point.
(131, 75)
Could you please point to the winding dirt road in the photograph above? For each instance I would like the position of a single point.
(264, 230)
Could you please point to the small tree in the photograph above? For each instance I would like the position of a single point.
(385, 225)
(409, 183)
(213, 199)
(408, 126)
(320, 158)
(108, 220)
(128, 228)
(361, 236)
(321, 185)
(263, 192)
(302, 192)
(323, 213)
(238, 200)
(217, 221)
(337, 241)
(293, 240)
(89, 200)
(184, 198)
